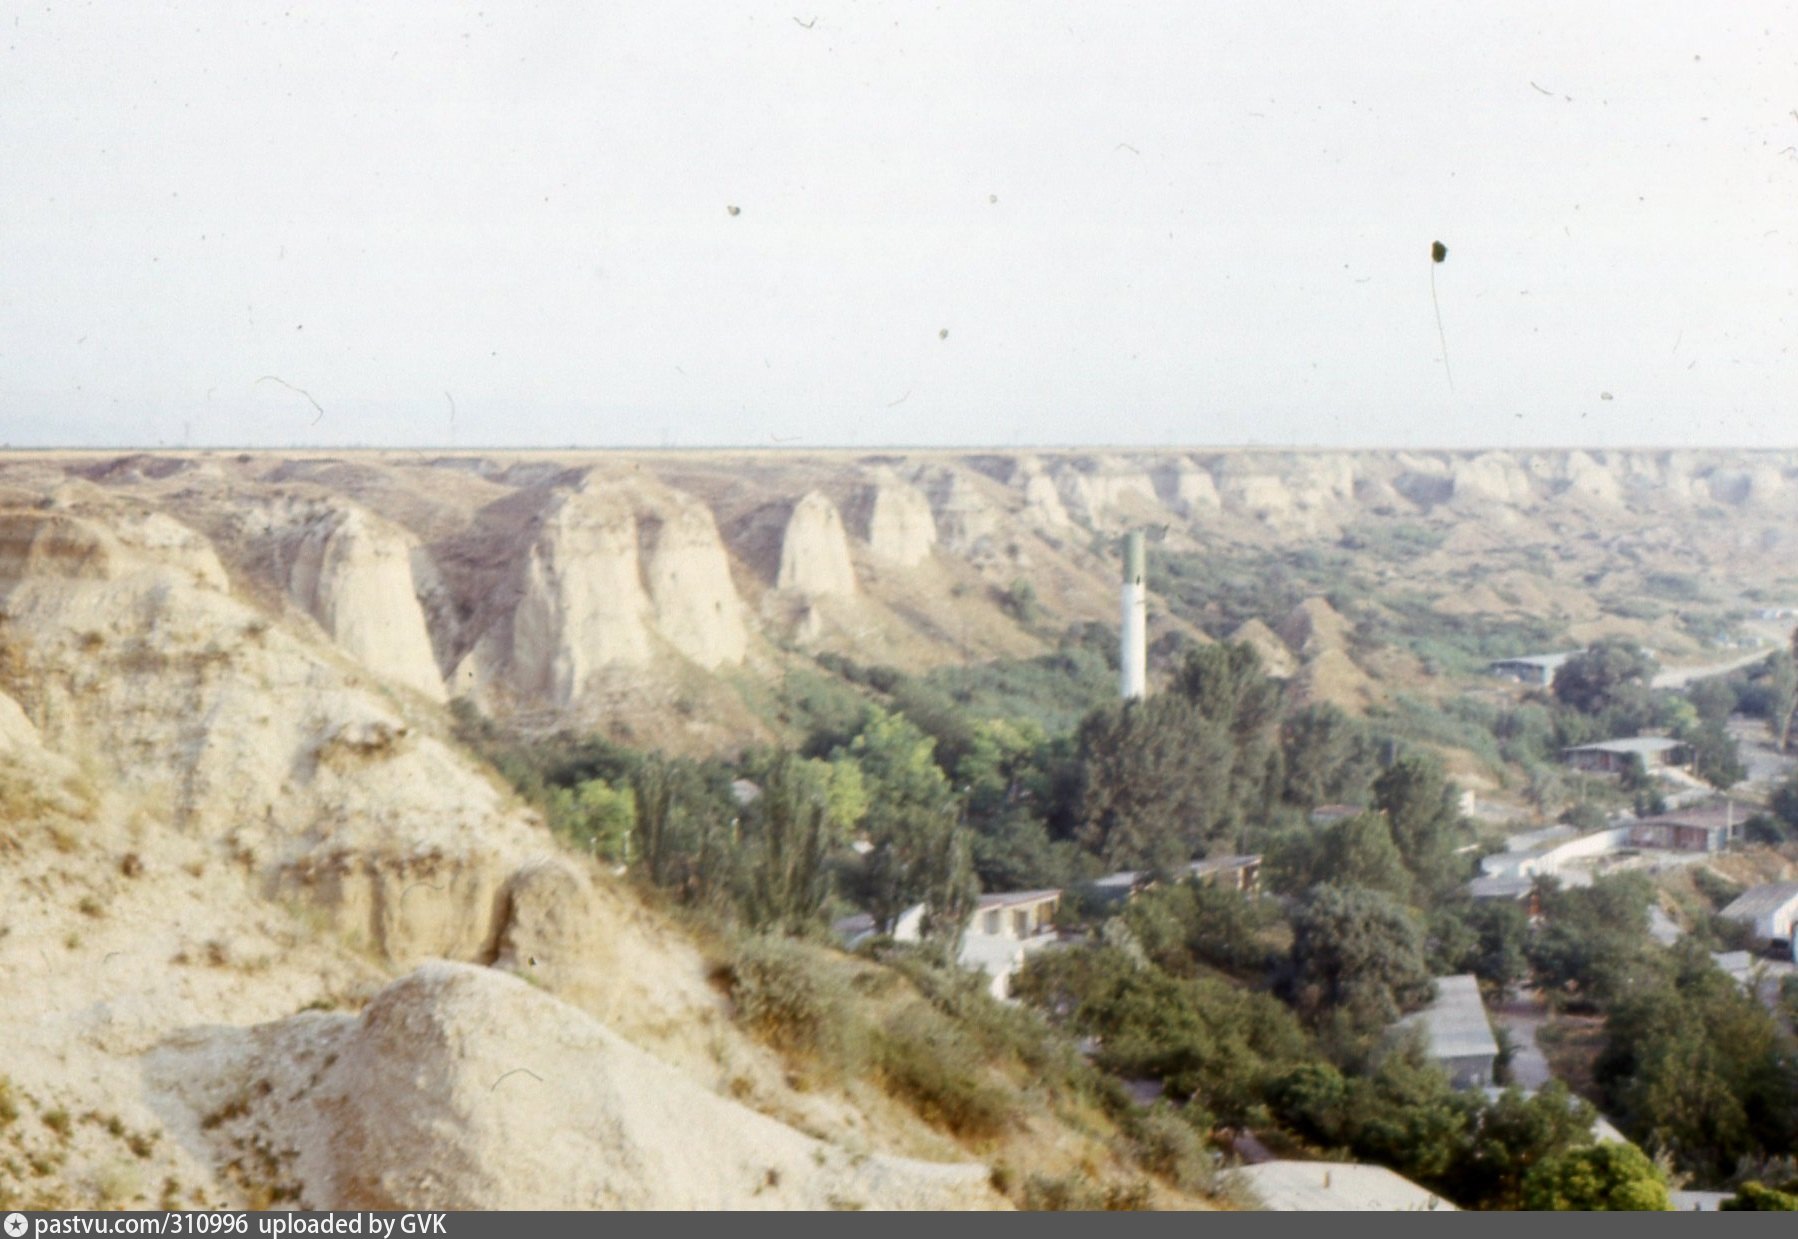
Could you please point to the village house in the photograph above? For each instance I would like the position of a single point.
(1772, 910)
(1537, 670)
(1008, 927)
(1511, 887)
(1239, 873)
(1327, 1187)
(1703, 828)
(1456, 1031)
(1617, 756)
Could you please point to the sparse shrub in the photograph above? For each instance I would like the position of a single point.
(793, 998)
(90, 905)
(235, 1108)
(1718, 890)
(928, 1062)
(1165, 1143)
(58, 1121)
(1073, 1194)
(1003, 1031)
(1020, 602)
(9, 1104)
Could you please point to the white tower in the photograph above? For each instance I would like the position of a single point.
(1133, 654)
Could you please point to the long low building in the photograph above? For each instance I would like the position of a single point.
(1240, 873)
(1456, 1032)
(1617, 756)
(1006, 929)
(1699, 830)
(1702, 828)
(1536, 669)
(1771, 910)
(1328, 1187)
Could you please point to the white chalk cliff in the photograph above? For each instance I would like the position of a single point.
(814, 551)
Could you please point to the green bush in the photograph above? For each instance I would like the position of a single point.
(1073, 1194)
(1002, 1030)
(791, 997)
(1164, 1142)
(1756, 1197)
(1612, 1177)
(935, 1068)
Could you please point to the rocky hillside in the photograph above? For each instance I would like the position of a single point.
(233, 828)
(653, 593)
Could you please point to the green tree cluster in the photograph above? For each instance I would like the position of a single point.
(1594, 947)
(1695, 1067)
(1357, 959)
(1603, 1177)
(1184, 772)
(1610, 675)
(1210, 1043)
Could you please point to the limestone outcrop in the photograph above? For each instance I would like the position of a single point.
(1100, 489)
(460, 1087)
(39, 545)
(1186, 488)
(966, 517)
(1491, 477)
(581, 604)
(814, 551)
(899, 526)
(354, 574)
(694, 604)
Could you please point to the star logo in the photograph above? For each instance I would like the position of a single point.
(16, 1225)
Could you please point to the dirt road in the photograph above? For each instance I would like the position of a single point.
(1679, 677)
(1521, 1017)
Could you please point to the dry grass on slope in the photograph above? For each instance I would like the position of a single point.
(927, 1054)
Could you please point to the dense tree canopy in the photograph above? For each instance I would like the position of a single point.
(1357, 957)
(1420, 804)
(1594, 944)
(1611, 673)
(1700, 1069)
(919, 851)
(1328, 758)
(1610, 1177)
(1157, 781)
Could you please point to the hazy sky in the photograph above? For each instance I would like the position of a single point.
(1137, 223)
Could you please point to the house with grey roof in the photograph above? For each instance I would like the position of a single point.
(1770, 909)
(1328, 1187)
(1617, 756)
(1701, 828)
(1533, 669)
(1242, 873)
(1007, 928)
(1456, 1032)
